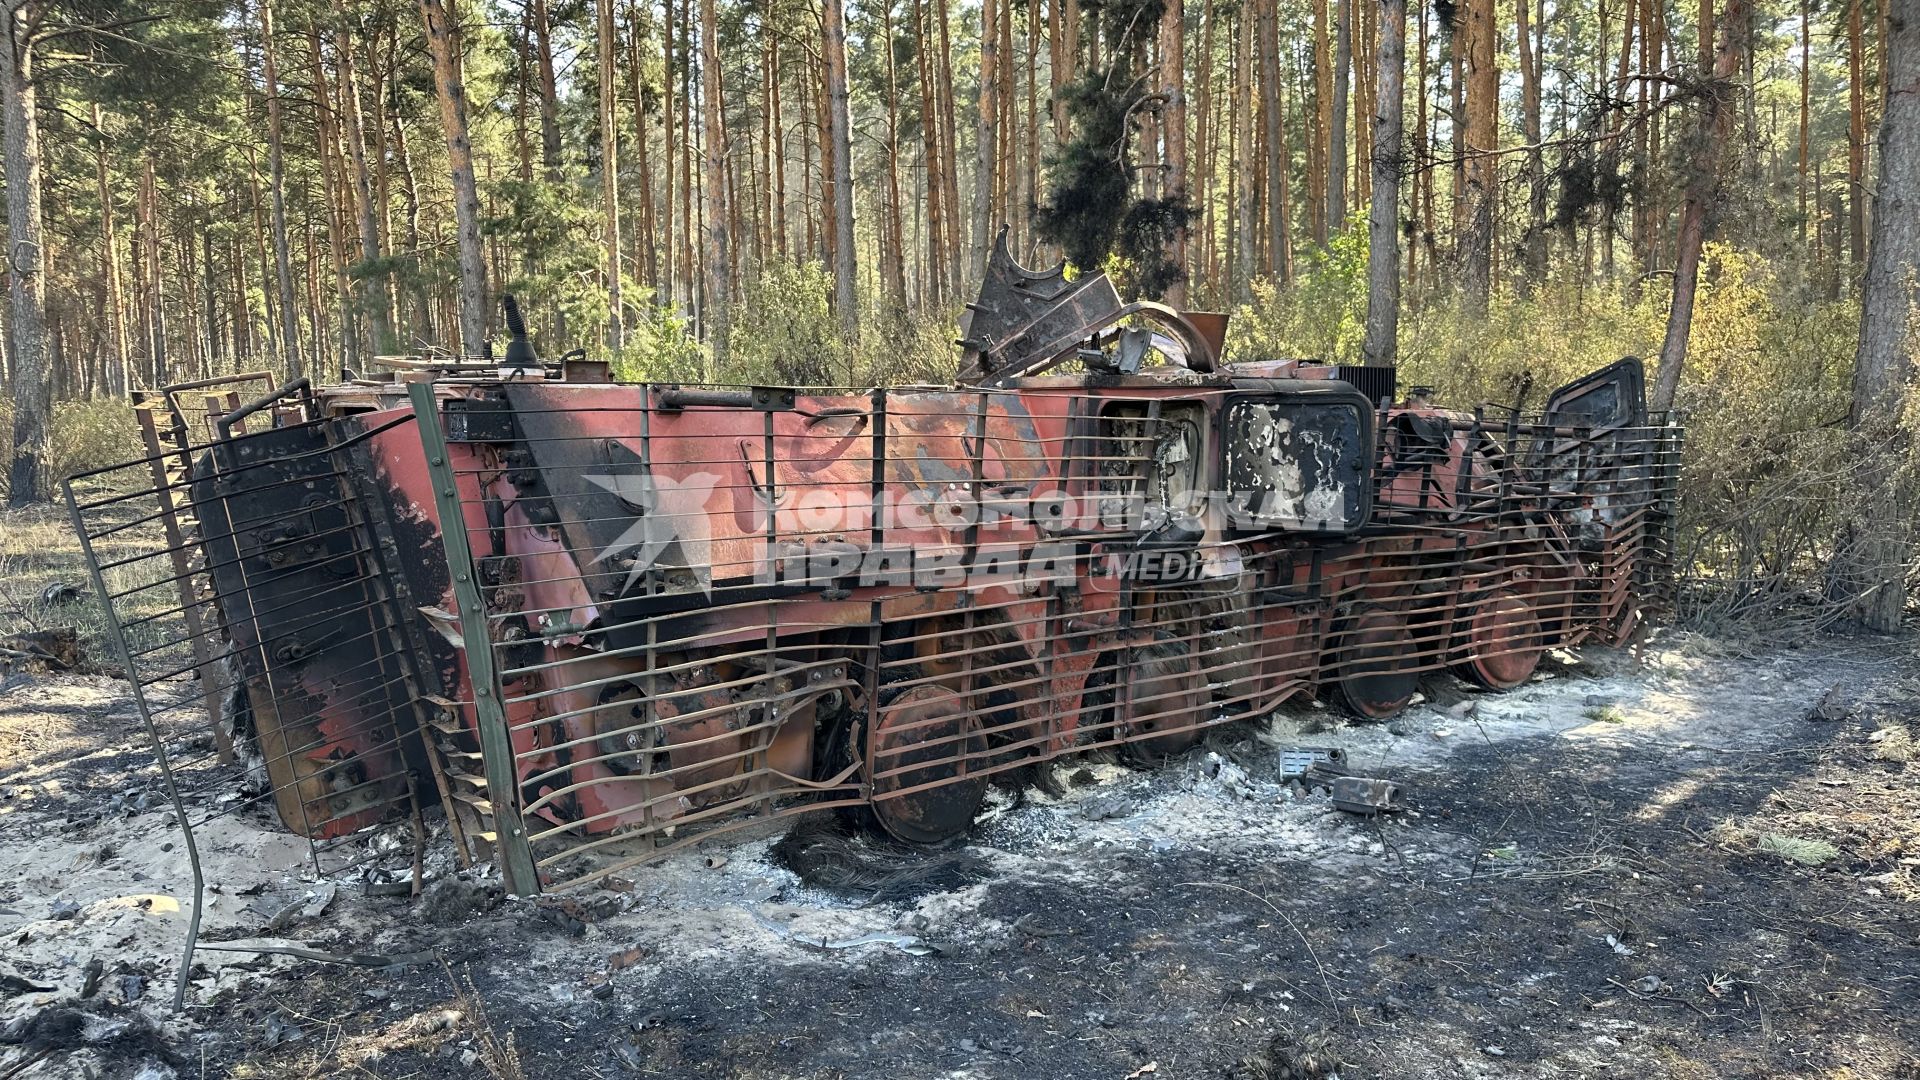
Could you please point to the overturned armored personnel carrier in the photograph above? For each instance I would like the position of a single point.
(590, 620)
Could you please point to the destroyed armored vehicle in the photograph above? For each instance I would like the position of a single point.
(592, 620)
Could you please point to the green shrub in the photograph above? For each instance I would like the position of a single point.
(86, 435)
(1764, 487)
(784, 330)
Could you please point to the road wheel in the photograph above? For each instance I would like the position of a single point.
(1372, 662)
(1166, 692)
(1503, 642)
(925, 736)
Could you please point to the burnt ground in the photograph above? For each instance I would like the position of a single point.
(1696, 862)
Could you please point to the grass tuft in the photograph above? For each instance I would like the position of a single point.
(1800, 849)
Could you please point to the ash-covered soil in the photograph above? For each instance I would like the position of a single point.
(1689, 861)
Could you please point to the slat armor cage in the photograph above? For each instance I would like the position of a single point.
(594, 621)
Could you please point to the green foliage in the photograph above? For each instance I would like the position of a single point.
(1323, 315)
(552, 231)
(901, 350)
(784, 331)
(86, 435)
(1124, 24)
(660, 347)
(1089, 183)
(1091, 210)
(1765, 399)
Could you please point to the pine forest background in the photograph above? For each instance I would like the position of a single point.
(1492, 194)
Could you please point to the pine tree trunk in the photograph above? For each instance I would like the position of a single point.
(779, 149)
(336, 200)
(688, 236)
(810, 205)
(245, 339)
(1337, 122)
(1380, 345)
(769, 146)
(443, 42)
(1534, 240)
(1421, 210)
(373, 285)
(1717, 111)
(156, 303)
(113, 319)
(410, 217)
(1655, 240)
(1030, 156)
(269, 293)
(649, 238)
(1856, 134)
(1366, 89)
(1642, 143)
(1240, 194)
(316, 316)
(1206, 139)
(609, 78)
(276, 194)
(671, 236)
(1280, 248)
(1457, 41)
(840, 134)
(936, 276)
(1322, 130)
(214, 353)
(989, 101)
(378, 127)
(1481, 139)
(949, 173)
(1610, 151)
(1059, 67)
(823, 132)
(1008, 167)
(32, 375)
(139, 360)
(1173, 112)
(714, 315)
(1806, 110)
(894, 269)
(1877, 548)
(549, 93)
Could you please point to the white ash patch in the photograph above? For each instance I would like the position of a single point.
(1680, 692)
(117, 897)
(729, 903)
(1205, 803)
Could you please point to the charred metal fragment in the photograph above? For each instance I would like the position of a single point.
(1365, 795)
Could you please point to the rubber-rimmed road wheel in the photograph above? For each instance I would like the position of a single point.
(924, 732)
(1166, 691)
(1503, 642)
(1373, 659)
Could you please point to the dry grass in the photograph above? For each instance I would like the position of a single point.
(1804, 850)
(497, 1054)
(1894, 743)
(39, 547)
(460, 1030)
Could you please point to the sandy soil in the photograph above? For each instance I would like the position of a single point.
(1595, 875)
